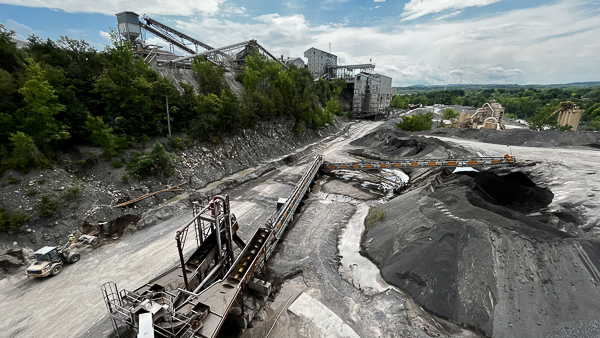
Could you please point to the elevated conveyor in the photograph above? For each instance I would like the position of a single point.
(212, 281)
(425, 163)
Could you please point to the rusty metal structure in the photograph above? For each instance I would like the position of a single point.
(211, 283)
(426, 163)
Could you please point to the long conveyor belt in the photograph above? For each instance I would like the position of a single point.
(426, 163)
(220, 297)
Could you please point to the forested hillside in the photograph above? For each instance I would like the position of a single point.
(56, 94)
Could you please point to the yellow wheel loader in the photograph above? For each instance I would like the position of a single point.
(49, 260)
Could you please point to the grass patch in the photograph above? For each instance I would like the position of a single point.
(31, 192)
(42, 181)
(48, 206)
(375, 214)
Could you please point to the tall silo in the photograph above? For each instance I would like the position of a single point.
(129, 25)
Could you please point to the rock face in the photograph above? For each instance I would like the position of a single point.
(467, 256)
(102, 185)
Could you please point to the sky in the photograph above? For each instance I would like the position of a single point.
(416, 42)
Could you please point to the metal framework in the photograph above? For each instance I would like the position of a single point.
(214, 282)
(348, 72)
(427, 163)
(170, 32)
(234, 54)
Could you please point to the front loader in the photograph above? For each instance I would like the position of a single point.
(49, 260)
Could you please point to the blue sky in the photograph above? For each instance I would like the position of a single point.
(414, 41)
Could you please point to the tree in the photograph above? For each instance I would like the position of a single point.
(37, 117)
(25, 155)
(543, 119)
(416, 122)
(449, 113)
(400, 102)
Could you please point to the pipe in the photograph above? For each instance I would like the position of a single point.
(180, 250)
(208, 277)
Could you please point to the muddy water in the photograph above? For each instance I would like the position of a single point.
(357, 269)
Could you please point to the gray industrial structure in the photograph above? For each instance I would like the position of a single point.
(372, 93)
(232, 56)
(319, 61)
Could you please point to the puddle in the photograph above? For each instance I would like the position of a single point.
(398, 175)
(357, 269)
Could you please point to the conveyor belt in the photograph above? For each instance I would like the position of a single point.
(426, 163)
(220, 297)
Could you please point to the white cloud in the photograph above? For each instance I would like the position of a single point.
(78, 32)
(229, 10)
(23, 31)
(418, 8)
(547, 44)
(379, 0)
(449, 15)
(171, 7)
(105, 35)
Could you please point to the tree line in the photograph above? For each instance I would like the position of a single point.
(56, 94)
(533, 105)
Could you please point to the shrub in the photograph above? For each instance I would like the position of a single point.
(15, 220)
(48, 206)
(176, 143)
(42, 181)
(25, 155)
(117, 163)
(374, 215)
(159, 161)
(417, 122)
(31, 192)
(12, 180)
(72, 193)
(125, 178)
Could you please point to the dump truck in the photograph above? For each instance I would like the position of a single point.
(49, 260)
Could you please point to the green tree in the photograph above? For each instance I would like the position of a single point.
(37, 117)
(400, 102)
(158, 162)
(449, 113)
(416, 122)
(543, 119)
(25, 155)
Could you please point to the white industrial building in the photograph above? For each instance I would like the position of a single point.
(297, 61)
(319, 61)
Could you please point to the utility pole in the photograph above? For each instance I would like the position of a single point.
(168, 117)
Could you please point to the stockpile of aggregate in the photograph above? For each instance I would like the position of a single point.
(482, 248)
